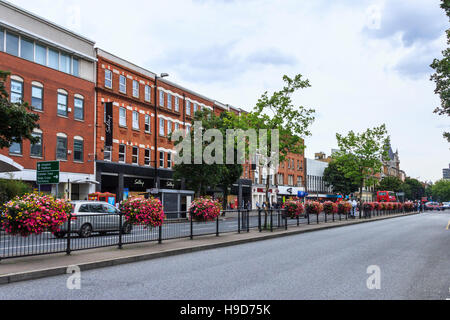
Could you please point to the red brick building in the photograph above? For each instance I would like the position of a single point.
(53, 70)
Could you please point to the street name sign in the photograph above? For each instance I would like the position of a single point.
(47, 172)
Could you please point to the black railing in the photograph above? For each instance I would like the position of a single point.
(109, 230)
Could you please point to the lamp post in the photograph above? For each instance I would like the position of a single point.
(163, 75)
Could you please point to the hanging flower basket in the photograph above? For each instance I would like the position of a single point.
(344, 207)
(205, 209)
(147, 212)
(376, 205)
(34, 214)
(390, 206)
(313, 207)
(369, 206)
(383, 206)
(409, 205)
(330, 207)
(293, 208)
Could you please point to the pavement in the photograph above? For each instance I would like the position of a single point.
(29, 268)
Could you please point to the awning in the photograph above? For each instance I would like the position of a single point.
(9, 165)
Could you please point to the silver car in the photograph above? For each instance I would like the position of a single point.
(90, 217)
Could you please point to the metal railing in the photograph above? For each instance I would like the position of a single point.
(108, 230)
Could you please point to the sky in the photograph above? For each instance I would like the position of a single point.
(368, 61)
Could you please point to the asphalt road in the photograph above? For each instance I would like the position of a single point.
(412, 254)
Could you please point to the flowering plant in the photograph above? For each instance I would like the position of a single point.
(330, 207)
(34, 214)
(390, 206)
(294, 208)
(313, 207)
(409, 205)
(376, 206)
(400, 206)
(368, 206)
(383, 206)
(205, 209)
(344, 207)
(147, 212)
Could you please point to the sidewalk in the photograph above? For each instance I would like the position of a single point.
(36, 267)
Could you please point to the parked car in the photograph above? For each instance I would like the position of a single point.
(444, 206)
(90, 217)
(431, 206)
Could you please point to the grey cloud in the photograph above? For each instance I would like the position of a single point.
(219, 62)
(416, 21)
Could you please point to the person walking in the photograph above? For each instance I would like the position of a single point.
(354, 205)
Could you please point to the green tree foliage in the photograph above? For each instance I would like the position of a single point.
(200, 177)
(335, 177)
(17, 123)
(442, 74)
(12, 188)
(367, 152)
(390, 184)
(413, 189)
(441, 190)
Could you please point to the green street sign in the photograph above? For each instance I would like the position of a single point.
(47, 172)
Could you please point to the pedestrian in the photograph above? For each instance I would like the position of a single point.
(354, 205)
(258, 205)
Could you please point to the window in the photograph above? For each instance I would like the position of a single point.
(16, 91)
(188, 128)
(161, 127)
(177, 126)
(147, 157)
(107, 152)
(299, 181)
(147, 124)
(148, 94)
(41, 54)
(161, 98)
(123, 84)
(291, 180)
(195, 108)
(108, 79)
(62, 104)
(177, 104)
(64, 63)
(75, 67)
(53, 59)
(36, 149)
(169, 160)
(2, 39)
(12, 44)
(135, 120)
(36, 98)
(188, 108)
(169, 127)
(61, 148)
(122, 153)
(135, 89)
(16, 148)
(169, 101)
(161, 159)
(122, 117)
(135, 155)
(78, 108)
(27, 49)
(78, 150)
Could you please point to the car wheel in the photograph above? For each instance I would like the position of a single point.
(59, 235)
(85, 231)
(126, 229)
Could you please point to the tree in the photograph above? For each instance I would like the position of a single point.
(204, 176)
(335, 178)
(413, 189)
(17, 122)
(278, 112)
(368, 150)
(442, 74)
(441, 190)
(390, 184)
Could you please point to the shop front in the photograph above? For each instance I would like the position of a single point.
(286, 193)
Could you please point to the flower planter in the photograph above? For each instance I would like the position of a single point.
(147, 212)
(205, 209)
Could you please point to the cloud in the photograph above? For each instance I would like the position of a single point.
(221, 62)
(414, 21)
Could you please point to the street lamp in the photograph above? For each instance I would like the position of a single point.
(163, 75)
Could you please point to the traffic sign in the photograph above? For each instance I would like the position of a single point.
(47, 172)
